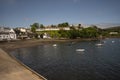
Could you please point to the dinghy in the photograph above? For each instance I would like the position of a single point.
(54, 45)
(81, 50)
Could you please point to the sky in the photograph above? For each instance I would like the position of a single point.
(23, 13)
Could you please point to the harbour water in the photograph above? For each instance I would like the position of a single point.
(64, 62)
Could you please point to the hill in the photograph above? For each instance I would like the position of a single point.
(113, 29)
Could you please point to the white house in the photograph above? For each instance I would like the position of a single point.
(12, 34)
(113, 33)
(46, 36)
(23, 30)
(7, 34)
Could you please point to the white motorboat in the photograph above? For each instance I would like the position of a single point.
(99, 44)
(54, 45)
(81, 50)
(113, 41)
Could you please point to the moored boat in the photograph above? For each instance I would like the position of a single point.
(54, 45)
(80, 50)
(99, 44)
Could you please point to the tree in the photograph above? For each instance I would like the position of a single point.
(79, 26)
(73, 34)
(17, 31)
(54, 34)
(63, 34)
(34, 26)
(42, 26)
(65, 24)
(92, 32)
(72, 28)
(33, 29)
(53, 26)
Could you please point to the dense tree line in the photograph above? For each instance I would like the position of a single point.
(65, 24)
(90, 32)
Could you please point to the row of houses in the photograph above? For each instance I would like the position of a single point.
(23, 33)
(52, 29)
(7, 34)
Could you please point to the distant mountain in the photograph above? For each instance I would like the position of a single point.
(108, 25)
(116, 28)
(103, 25)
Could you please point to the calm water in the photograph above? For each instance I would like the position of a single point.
(64, 63)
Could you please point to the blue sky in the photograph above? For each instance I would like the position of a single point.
(22, 13)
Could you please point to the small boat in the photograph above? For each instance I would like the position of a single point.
(54, 45)
(81, 50)
(99, 44)
(113, 41)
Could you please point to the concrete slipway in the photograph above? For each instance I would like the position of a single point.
(11, 69)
